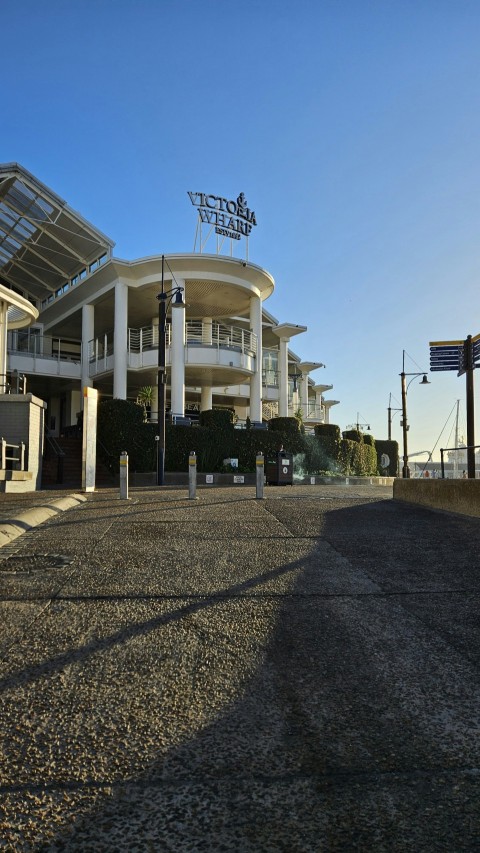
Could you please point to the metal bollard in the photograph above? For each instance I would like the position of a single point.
(192, 476)
(124, 476)
(259, 468)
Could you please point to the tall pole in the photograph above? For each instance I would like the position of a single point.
(162, 330)
(470, 408)
(405, 470)
(390, 417)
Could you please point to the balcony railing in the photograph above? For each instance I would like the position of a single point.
(43, 346)
(218, 335)
(313, 413)
(270, 378)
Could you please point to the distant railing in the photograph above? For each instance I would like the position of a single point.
(218, 335)
(221, 335)
(313, 413)
(43, 346)
(270, 378)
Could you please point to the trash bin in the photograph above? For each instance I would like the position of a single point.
(279, 469)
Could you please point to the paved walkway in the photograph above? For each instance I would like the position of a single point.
(296, 674)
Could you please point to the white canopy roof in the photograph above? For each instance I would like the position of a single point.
(43, 242)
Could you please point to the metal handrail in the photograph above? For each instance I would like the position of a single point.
(14, 453)
(219, 335)
(444, 450)
(60, 454)
(43, 346)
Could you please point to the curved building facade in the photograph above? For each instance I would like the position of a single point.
(98, 320)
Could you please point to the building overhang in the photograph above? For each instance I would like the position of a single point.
(308, 366)
(20, 312)
(288, 330)
(43, 242)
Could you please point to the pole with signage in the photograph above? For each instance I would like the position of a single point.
(464, 357)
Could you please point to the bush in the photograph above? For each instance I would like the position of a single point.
(327, 437)
(352, 435)
(357, 458)
(287, 426)
(217, 419)
(391, 449)
(120, 426)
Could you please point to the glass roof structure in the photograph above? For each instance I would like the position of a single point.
(44, 244)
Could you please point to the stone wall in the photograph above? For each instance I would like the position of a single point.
(462, 496)
(22, 418)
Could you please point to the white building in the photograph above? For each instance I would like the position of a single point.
(97, 321)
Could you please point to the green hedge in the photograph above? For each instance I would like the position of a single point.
(325, 456)
(221, 419)
(352, 435)
(121, 427)
(391, 449)
(357, 458)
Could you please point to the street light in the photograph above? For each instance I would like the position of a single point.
(390, 416)
(404, 424)
(295, 376)
(357, 425)
(165, 297)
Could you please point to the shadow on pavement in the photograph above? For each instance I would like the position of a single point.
(353, 724)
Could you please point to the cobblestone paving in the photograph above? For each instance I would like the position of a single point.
(293, 674)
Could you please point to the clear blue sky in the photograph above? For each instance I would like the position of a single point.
(352, 127)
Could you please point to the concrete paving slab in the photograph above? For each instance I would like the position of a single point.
(172, 696)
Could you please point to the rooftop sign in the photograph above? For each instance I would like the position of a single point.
(232, 219)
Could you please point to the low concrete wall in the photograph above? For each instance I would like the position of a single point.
(22, 419)
(462, 496)
(180, 478)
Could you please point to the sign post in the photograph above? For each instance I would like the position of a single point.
(464, 357)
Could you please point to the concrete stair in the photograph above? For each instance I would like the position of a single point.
(72, 467)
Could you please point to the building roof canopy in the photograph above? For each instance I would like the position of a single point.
(43, 242)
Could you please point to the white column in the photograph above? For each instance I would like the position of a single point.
(256, 379)
(177, 358)
(120, 341)
(88, 334)
(283, 378)
(206, 399)
(3, 346)
(304, 394)
(207, 330)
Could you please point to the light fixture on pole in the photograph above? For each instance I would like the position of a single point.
(404, 424)
(390, 416)
(357, 425)
(295, 376)
(165, 297)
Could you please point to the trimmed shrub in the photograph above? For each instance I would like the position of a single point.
(352, 435)
(391, 449)
(120, 426)
(217, 419)
(357, 458)
(327, 438)
(287, 426)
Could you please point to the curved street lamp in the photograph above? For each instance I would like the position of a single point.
(165, 297)
(404, 424)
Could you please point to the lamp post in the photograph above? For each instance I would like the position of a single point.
(390, 416)
(295, 376)
(405, 427)
(164, 299)
(357, 425)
